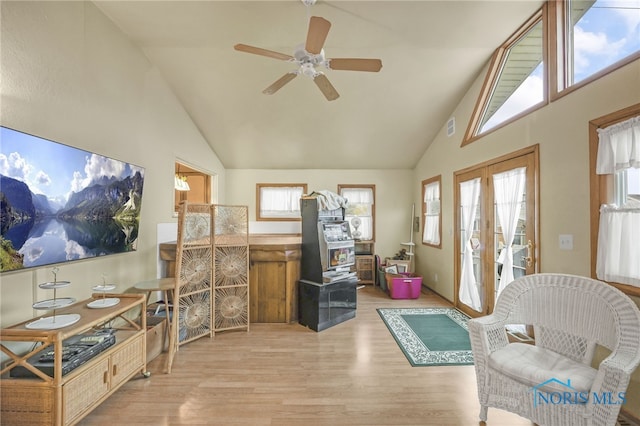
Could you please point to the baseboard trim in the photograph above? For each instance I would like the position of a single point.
(436, 293)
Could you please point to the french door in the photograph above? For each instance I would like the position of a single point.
(496, 228)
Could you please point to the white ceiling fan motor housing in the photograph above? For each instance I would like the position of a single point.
(308, 61)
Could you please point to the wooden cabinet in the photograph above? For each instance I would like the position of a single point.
(274, 272)
(365, 262)
(365, 268)
(65, 399)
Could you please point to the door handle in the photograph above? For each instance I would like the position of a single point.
(529, 258)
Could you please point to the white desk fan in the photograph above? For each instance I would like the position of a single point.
(356, 222)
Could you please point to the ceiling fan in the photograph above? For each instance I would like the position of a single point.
(309, 55)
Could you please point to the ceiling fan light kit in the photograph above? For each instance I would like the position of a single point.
(310, 55)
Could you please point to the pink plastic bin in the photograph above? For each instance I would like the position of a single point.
(404, 286)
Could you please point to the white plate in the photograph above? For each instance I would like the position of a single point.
(104, 287)
(57, 284)
(60, 302)
(51, 323)
(103, 303)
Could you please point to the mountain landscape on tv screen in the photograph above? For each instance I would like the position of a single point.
(98, 220)
(93, 211)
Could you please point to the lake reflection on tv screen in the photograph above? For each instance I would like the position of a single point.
(60, 203)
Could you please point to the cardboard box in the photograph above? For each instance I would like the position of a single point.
(404, 286)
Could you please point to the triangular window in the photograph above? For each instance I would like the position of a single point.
(515, 82)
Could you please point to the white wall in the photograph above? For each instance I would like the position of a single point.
(68, 74)
(393, 198)
(561, 130)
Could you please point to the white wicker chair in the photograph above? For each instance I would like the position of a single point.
(553, 382)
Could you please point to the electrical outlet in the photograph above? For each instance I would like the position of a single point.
(566, 242)
(435, 277)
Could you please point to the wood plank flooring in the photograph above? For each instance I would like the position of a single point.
(285, 374)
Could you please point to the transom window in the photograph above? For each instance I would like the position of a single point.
(515, 83)
(597, 34)
(587, 40)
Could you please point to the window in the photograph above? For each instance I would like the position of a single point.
(627, 188)
(594, 37)
(361, 204)
(190, 185)
(515, 83)
(614, 149)
(279, 201)
(432, 221)
(587, 40)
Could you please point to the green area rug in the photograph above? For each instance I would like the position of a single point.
(430, 336)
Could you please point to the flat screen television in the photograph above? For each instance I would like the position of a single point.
(59, 203)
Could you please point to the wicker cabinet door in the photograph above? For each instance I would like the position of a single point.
(365, 269)
(81, 393)
(29, 405)
(127, 360)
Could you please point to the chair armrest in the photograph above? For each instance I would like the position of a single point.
(614, 373)
(490, 333)
(487, 334)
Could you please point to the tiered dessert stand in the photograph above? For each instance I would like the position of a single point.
(103, 302)
(54, 321)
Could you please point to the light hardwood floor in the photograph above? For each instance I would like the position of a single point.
(285, 374)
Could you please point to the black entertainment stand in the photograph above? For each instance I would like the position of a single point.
(324, 305)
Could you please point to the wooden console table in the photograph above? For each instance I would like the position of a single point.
(274, 271)
(63, 399)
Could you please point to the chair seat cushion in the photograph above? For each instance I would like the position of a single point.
(541, 368)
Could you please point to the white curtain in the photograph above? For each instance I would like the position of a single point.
(618, 240)
(508, 191)
(431, 232)
(360, 204)
(619, 147)
(280, 201)
(619, 231)
(469, 200)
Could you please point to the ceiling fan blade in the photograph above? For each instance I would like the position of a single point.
(355, 64)
(278, 84)
(317, 34)
(326, 87)
(262, 52)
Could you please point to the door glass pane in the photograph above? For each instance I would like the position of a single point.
(476, 239)
(477, 255)
(519, 243)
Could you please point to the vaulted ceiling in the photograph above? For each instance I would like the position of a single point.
(431, 53)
